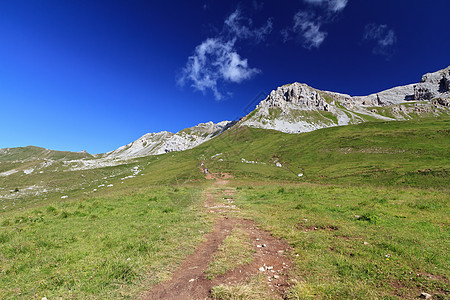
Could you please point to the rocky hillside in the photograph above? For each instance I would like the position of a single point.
(297, 107)
(164, 141)
(36, 160)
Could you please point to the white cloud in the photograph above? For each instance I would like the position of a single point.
(337, 5)
(235, 69)
(331, 5)
(308, 24)
(384, 37)
(216, 60)
(240, 27)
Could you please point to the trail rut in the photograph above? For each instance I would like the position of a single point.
(189, 280)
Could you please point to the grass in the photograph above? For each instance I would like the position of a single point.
(358, 242)
(375, 197)
(254, 288)
(329, 115)
(410, 153)
(236, 250)
(37, 189)
(24, 153)
(99, 247)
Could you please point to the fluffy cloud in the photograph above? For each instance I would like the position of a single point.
(307, 25)
(384, 38)
(216, 60)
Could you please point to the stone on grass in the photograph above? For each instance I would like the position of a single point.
(425, 296)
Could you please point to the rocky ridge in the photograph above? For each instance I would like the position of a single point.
(292, 108)
(40, 160)
(164, 141)
(297, 107)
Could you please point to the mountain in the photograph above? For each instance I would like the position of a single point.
(26, 160)
(33, 153)
(164, 141)
(31, 159)
(292, 108)
(370, 198)
(297, 107)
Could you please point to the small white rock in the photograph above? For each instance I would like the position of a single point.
(425, 296)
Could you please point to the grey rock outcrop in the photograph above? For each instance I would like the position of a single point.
(391, 96)
(164, 141)
(296, 93)
(433, 85)
(297, 107)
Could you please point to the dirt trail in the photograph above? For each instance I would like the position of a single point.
(189, 280)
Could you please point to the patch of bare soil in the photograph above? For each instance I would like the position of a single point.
(189, 280)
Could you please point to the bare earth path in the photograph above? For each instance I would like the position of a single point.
(189, 280)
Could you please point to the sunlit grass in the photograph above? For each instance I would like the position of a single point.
(99, 247)
(358, 242)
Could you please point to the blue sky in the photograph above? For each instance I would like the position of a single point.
(95, 75)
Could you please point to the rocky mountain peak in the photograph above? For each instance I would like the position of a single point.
(164, 141)
(297, 107)
(296, 93)
(433, 85)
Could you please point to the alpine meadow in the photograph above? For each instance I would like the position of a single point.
(304, 191)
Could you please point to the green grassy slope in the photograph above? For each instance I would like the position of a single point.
(99, 246)
(32, 152)
(353, 242)
(383, 183)
(413, 153)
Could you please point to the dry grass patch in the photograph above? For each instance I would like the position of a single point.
(254, 288)
(236, 250)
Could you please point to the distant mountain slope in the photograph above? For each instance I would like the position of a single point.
(297, 107)
(28, 160)
(164, 141)
(33, 153)
(292, 108)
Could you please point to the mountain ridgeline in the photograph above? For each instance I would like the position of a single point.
(297, 107)
(292, 108)
(164, 141)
